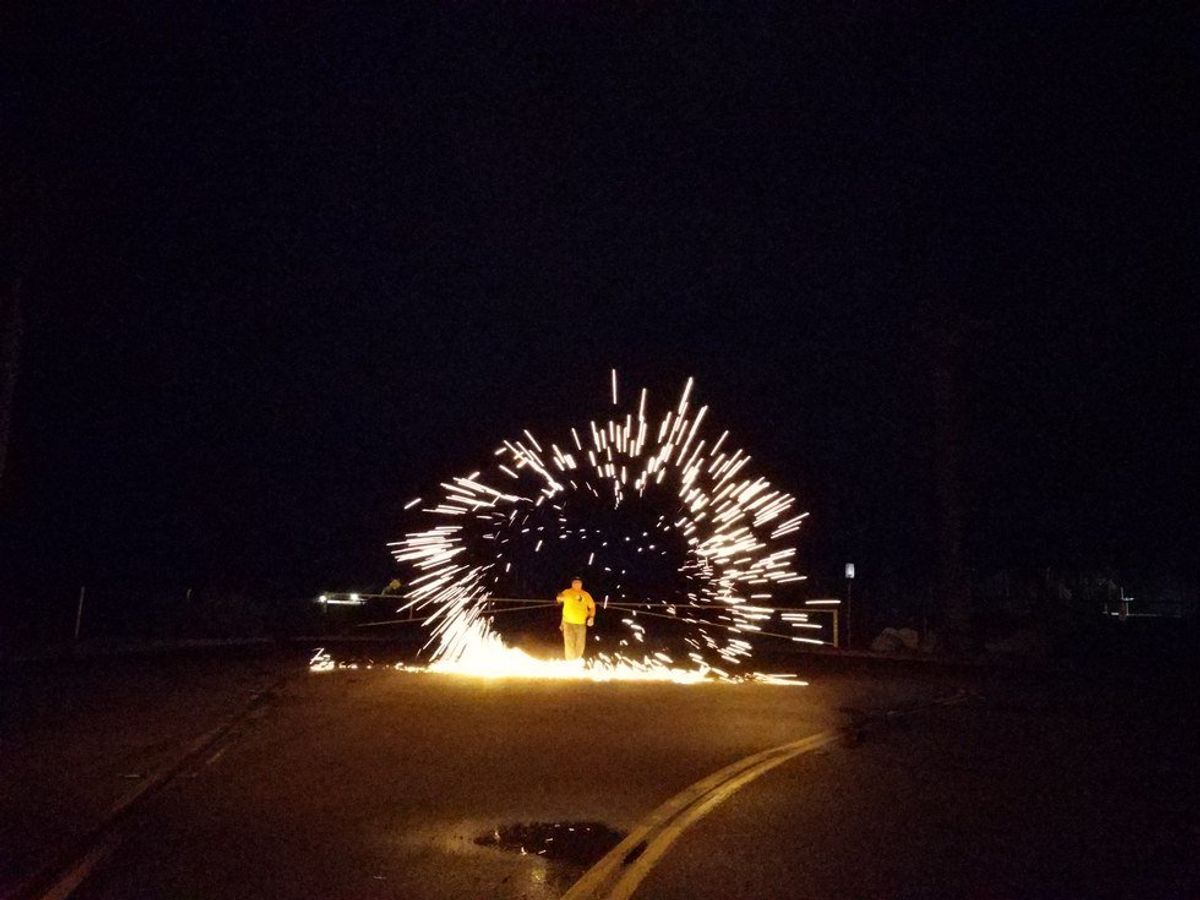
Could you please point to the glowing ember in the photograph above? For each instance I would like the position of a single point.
(486, 656)
(612, 502)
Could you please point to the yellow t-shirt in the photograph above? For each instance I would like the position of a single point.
(578, 606)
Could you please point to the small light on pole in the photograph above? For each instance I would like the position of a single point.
(849, 584)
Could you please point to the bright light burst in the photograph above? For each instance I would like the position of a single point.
(606, 500)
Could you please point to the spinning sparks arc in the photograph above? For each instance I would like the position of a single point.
(667, 527)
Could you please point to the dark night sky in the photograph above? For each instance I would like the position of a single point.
(302, 264)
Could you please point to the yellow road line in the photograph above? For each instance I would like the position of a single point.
(618, 874)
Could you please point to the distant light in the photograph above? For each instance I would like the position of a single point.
(822, 602)
(341, 600)
(849, 570)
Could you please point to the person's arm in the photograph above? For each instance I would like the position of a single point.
(591, 610)
(559, 598)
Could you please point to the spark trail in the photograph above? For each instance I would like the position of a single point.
(610, 497)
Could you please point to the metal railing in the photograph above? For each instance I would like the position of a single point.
(798, 617)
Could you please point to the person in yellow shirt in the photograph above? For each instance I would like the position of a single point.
(578, 613)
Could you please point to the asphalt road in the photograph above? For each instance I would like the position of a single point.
(375, 783)
(79, 735)
(1056, 792)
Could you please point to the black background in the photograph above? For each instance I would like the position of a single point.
(300, 264)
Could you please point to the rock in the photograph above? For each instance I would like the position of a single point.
(929, 643)
(888, 641)
(908, 637)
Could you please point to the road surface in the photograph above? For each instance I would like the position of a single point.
(377, 783)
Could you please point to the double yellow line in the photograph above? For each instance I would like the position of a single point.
(618, 874)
